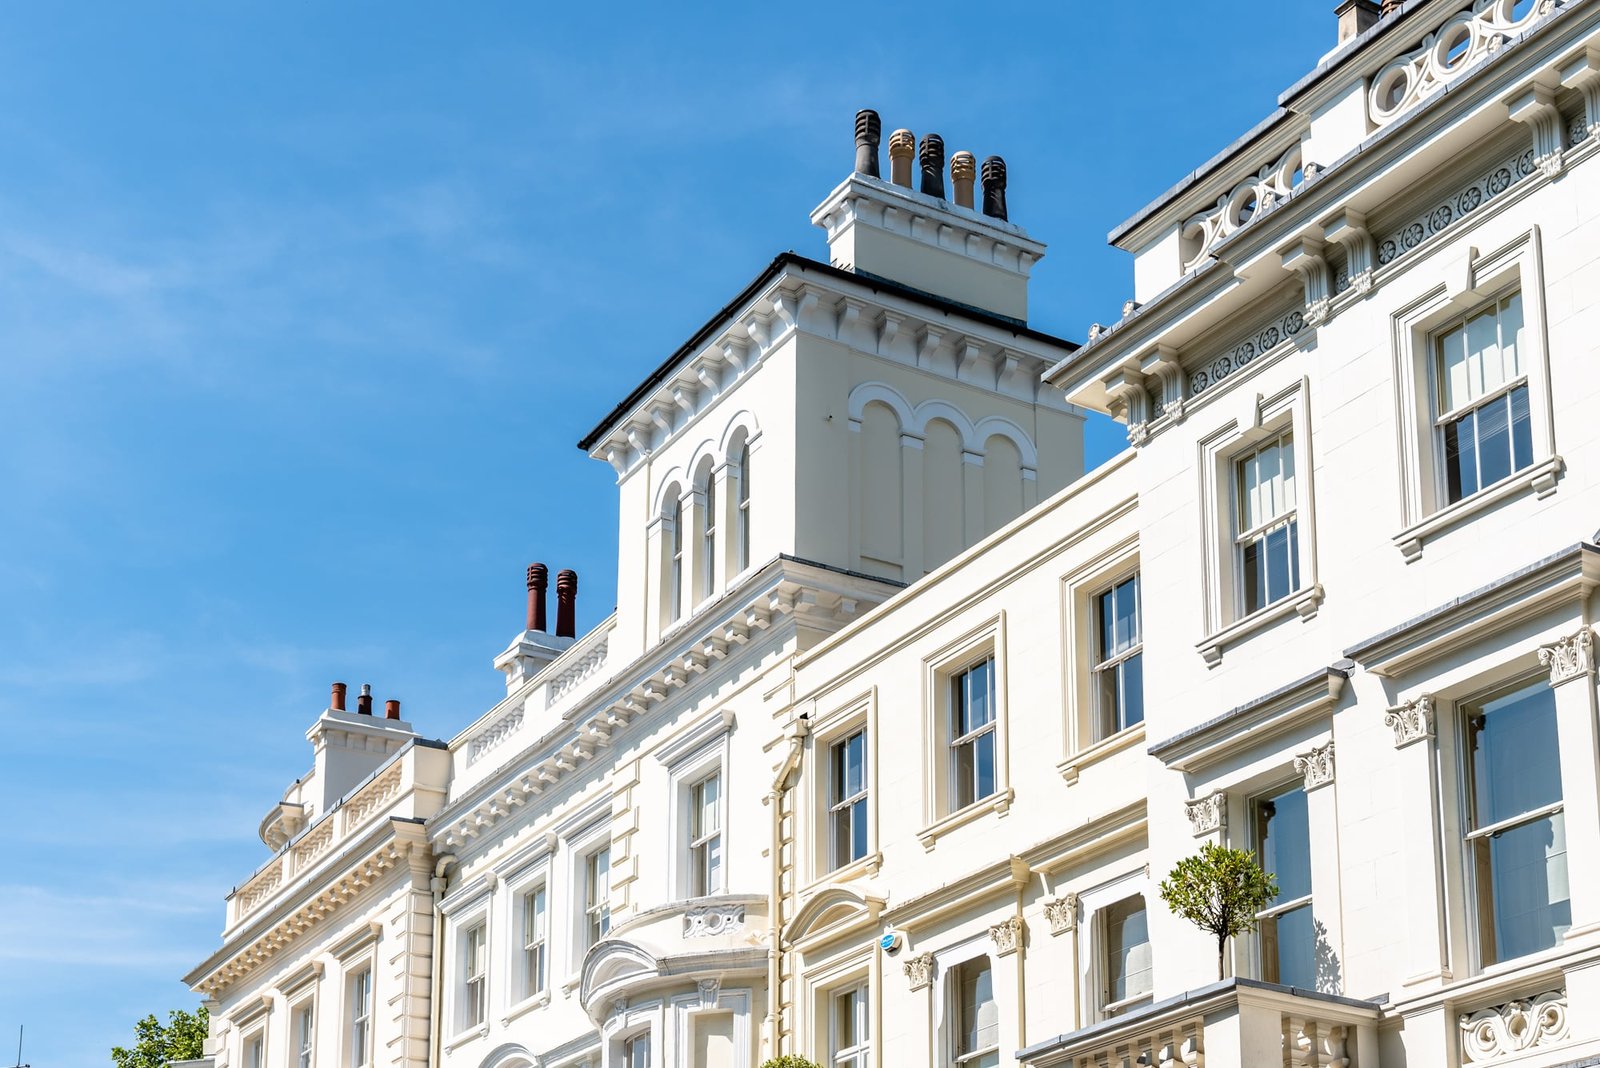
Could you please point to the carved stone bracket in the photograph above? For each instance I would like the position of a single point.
(1583, 74)
(1162, 365)
(1207, 814)
(1007, 936)
(1569, 658)
(1316, 766)
(1502, 1030)
(1305, 257)
(1411, 721)
(919, 970)
(1349, 230)
(1535, 107)
(710, 991)
(1061, 913)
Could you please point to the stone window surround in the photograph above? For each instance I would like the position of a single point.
(589, 832)
(938, 668)
(629, 1022)
(820, 985)
(1255, 419)
(1094, 903)
(860, 712)
(1471, 281)
(1078, 591)
(941, 1013)
(462, 913)
(692, 756)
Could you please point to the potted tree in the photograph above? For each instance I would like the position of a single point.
(1220, 891)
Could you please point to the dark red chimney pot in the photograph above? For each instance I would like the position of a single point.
(337, 701)
(566, 604)
(391, 710)
(364, 702)
(538, 581)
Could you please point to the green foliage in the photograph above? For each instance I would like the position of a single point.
(156, 1044)
(1219, 890)
(789, 1060)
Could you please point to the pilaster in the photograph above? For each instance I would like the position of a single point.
(1570, 661)
(1322, 819)
(911, 517)
(1416, 779)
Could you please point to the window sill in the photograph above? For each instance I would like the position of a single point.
(1541, 478)
(865, 868)
(471, 1034)
(998, 802)
(1303, 603)
(1101, 750)
(525, 1006)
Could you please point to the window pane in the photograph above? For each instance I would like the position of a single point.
(1511, 329)
(1454, 391)
(1279, 568)
(1461, 456)
(858, 830)
(1105, 612)
(1132, 670)
(1516, 762)
(1128, 964)
(984, 765)
(1127, 614)
(979, 690)
(853, 762)
(978, 1019)
(1494, 441)
(1284, 840)
(1290, 949)
(1521, 430)
(1249, 498)
(1252, 566)
(1528, 872)
(1484, 371)
(964, 775)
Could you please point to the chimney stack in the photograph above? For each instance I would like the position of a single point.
(364, 702)
(869, 131)
(963, 172)
(994, 188)
(902, 147)
(566, 604)
(1356, 17)
(933, 166)
(391, 710)
(538, 581)
(336, 702)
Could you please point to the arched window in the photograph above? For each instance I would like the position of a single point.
(744, 505)
(708, 537)
(675, 582)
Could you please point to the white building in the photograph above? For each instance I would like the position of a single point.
(902, 718)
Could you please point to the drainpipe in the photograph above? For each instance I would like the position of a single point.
(782, 783)
(438, 884)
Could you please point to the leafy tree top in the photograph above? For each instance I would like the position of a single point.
(1219, 890)
(789, 1060)
(156, 1044)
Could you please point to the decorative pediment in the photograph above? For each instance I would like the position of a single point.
(510, 1055)
(611, 965)
(832, 912)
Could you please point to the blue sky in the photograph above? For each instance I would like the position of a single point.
(303, 308)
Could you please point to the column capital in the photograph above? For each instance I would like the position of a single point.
(1061, 913)
(1207, 814)
(1569, 658)
(1411, 721)
(919, 970)
(1316, 766)
(1007, 936)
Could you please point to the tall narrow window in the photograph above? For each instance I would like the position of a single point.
(361, 1019)
(744, 506)
(847, 809)
(1119, 655)
(1127, 956)
(705, 836)
(972, 730)
(976, 1035)
(597, 895)
(1268, 543)
(256, 1051)
(475, 970)
(636, 1051)
(1287, 935)
(1483, 425)
(1517, 839)
(708, 538)
(675, 581)
(851, 1029)
(304, 1037)
(534, 939)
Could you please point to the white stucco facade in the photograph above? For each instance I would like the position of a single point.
(902, 717)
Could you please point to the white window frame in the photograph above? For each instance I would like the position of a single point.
(594, 901)
(1082, 743)
(703, 882)
(303, 1033)
(830, 725)
(858, 1055)
(950, 985)
(1279, 906)
(742, 559)
(707, 499)
(472, 994)
(535, 979)
(1108, 1009)
(1256, 535)
(675, 576)
(1470, 283)
(1256, 421)
(940, 670)
(254, 1049)
(839, 803)
(959, 741)
(1107, 723)
(699, 750)
(358, 1015)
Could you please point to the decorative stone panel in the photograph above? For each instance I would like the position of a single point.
(1569, 658)
(1316, 766)
(1007, 936)
(1411, 721)
(1515, 1027)
(1207, 814)
(1061, 913)
(709, 921)
(919, 970)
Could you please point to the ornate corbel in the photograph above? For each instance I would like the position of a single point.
(919, 971)
(1305, 257)
(1007, 936)
(1161, 363)
(1061, 913)
(1207, 814)
(1569, 658)
(1411, 721)
(1535, 108)
(1349, 230)
(1316, 766)
(1583, 74)
(1131, 400)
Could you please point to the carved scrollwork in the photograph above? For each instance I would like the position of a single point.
(1515, 1027)
(1007, 936)
(1061, 913)
(1207, 814)
(1248, 201)
(919, 970)
(709, 921)
(1411, 721)
(1316, 766)
(1568, 658)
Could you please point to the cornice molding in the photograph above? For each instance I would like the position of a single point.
(1269, 716)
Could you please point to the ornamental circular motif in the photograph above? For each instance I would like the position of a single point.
(1525, 163)
(1201, 381)
(1386, 252)
(1441, 217)
(1499, 181)
(1245, 353)
(1270, 337)
(1295, 323)
(1412, 236)
(1471, 199)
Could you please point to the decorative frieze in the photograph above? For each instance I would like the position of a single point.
(919, 971)
(1007, 936)
(1248, 201)
(1569, 658)
(1316, 766)
(1411, 721)
(1061, 913)
(1515, 1027)
(1207, 814)
(710, 921)
(492, 735)
(1459, 44)
(1282, 329)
